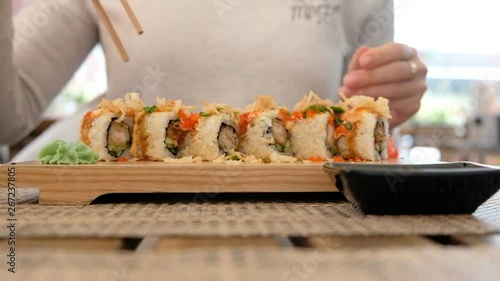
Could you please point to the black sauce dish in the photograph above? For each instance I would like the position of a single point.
(394, 189)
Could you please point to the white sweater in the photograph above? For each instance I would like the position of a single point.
(219, 51)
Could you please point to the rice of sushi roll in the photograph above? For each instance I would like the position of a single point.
(311, 127)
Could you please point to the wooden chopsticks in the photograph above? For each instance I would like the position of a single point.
(132, 16)
(111, 30)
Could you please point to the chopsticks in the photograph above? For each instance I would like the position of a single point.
(111, 30)
(132, 16)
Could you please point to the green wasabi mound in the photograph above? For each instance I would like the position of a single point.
(62, 153)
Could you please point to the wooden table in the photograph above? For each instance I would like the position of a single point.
(300, 237)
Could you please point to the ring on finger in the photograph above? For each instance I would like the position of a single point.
(413, 69)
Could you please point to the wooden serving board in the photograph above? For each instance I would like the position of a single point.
(80, 184)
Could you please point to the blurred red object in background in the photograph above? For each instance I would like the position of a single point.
(392, 150)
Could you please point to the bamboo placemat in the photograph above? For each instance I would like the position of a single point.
(263, 264)
(242, 219)
(23, 196)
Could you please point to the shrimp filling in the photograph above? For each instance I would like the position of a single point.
(174, 136)
(280, 135)
(227, 139)
(118, 138)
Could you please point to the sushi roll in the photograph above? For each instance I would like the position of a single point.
(159, 131)
(214, 135)
(361, 130)
(312, 131)
(263, 132)
(356, 128)
(108, 129)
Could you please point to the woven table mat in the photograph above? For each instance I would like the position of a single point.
(23, 196)
(263, 264)
(224, 219)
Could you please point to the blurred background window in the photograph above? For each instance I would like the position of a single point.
(89, 82)
(457, 41)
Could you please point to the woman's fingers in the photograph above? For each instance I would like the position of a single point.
(394, 72)
(354, 64)
(399, 90)
(404, 97)
(385, 54)
(403, 109)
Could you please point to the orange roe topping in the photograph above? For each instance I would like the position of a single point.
(188, 122)
(290, 116)
(122, 159)
(88, 115)
(338, 159)
(356, 159)
(340, 131)
(310, 113)
(315, 159)
(245, 119)
(130, 112)
(331, 119)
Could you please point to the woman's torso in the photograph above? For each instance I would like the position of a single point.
(226, 50)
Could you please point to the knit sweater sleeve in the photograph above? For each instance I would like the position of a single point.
(39, 52)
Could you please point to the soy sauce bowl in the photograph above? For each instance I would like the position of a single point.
(395, 189)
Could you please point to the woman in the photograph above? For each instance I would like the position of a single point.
(221, 51)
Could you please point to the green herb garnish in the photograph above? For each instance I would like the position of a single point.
(337, 121)
(337, 109)
(266, 160)
(204, 114)
(348, 125)
(313, 107)
(235, 158)
(220, 109)
(150, 109)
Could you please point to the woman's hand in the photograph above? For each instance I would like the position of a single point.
(393, 71)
